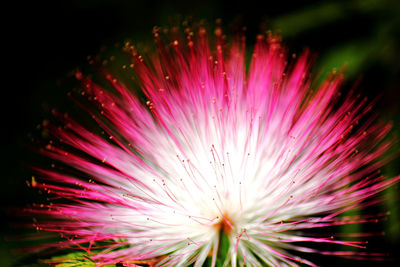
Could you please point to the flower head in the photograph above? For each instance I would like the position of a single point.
(207, 149)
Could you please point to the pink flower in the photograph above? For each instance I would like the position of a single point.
(259, 155)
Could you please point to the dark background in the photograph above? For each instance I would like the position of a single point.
(46, 40)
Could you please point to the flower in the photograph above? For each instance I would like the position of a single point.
(211, 150)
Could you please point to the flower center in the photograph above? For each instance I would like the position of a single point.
(225, 225)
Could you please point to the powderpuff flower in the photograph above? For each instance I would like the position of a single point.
(211, 150)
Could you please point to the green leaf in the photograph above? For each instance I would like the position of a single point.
(223, 249)
(80, 259)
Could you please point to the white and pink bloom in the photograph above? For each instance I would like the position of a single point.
(213, 148)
